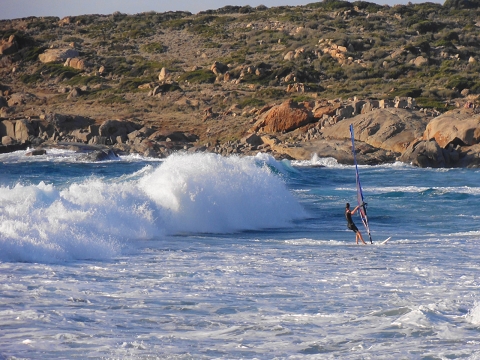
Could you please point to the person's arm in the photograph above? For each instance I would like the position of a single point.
(356, 208)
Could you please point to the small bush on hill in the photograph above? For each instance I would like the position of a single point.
(198, 76)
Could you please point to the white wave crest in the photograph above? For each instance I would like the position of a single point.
(210, 193)
(94, 219)
(473, 315)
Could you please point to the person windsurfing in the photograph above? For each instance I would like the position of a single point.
(351, 225)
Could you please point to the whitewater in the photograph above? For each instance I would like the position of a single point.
(199, 256)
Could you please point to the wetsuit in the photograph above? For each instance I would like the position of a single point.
(350, 224)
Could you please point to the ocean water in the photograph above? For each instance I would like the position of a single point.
(206, 257)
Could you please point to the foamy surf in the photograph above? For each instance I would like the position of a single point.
(96, 218)
(212, 194)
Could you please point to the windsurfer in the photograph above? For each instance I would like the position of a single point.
(350, 224)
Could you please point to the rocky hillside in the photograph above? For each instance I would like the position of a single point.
(242, 79)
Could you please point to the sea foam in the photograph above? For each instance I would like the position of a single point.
(96, 218)
(210, 193)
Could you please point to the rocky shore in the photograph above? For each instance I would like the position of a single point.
(288, 130)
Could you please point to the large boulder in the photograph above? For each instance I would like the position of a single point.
(424, 154)
(114, 128)
(164, 74)
(16, 99)
(419, 61)
(456, 127)
(340, 150)
(23, 130)
(390, 129)
(252, 139)
(8, 48)
(285, 117)
(323, 108)
(76, 63)
(470, 156)
(175, 136)
(83, 135)
(218, 68)
(7, 128)
(8, 140)
(56, 55)
(67, 123)
(98, 155)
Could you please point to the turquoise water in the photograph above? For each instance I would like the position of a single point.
(201, 256)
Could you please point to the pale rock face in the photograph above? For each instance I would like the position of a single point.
(23, 129)
(457, 127)
(56, 55)
(391, 129)
(76, 63)
(164, 74)
(420, 61)
(7, 140)
(8, 48)
(289, 56)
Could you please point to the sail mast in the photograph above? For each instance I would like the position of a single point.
(361, 202)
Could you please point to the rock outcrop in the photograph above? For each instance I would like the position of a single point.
(98, 155)
(67, 123)
(391, 129)
(76, 63)
(164, 74)
(57, 55)
(9, 47)
(117, 128)
(282, 118)
(424, 154)
(456, 127)
(218, 68)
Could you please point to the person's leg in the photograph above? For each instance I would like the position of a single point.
(361, 237)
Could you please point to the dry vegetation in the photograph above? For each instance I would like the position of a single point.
(427, 51)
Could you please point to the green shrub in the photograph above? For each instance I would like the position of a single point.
(459, 82)
(431, 103)
(176, 24)
(331, 5)
(270, 93)
(31, 79)
(75, 39)
(43, 23)
(426, 26)
(236, 57)
(132, 84)
(153, 48)
(30, 54)
(170, 87)
(445, 43)
(407, 92)
(113, 99)
(252, 102)
(57, 70)
(198, 76)
(369, 6)
(117, 65)
(85, 80)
